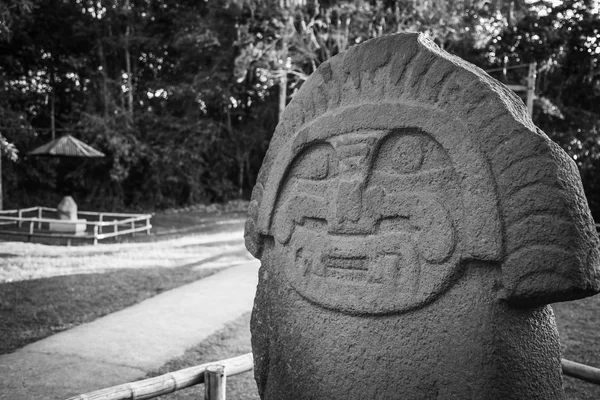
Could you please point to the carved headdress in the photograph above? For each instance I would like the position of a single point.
(376, 152)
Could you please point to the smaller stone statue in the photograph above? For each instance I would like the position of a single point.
(67, 209)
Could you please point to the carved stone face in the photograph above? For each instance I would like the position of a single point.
(366, 221)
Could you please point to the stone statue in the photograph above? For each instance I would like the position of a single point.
(67, 209)
(413, 226)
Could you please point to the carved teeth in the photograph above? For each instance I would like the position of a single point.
(351, 263)
(350, 268)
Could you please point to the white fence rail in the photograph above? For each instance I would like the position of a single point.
(31, 222)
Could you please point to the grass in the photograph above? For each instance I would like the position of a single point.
(47, 289)
(233, 340)
(34, 309)
(579, 330)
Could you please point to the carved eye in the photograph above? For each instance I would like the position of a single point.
(409, 152)
(315, 163)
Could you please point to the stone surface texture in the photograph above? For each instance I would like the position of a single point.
(412, 225)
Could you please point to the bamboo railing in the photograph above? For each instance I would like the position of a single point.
(581, 371)
(121, 224)
(213, 375)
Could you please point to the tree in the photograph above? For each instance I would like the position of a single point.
(183, 95)
(564, 41)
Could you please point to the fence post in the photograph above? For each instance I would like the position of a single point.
(30, 231)
(20, 215)
(95, 234)
(214, 382)
(132, 228)
(101, 219)
(39, 210)
(148, 226)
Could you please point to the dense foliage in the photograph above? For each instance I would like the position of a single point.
(183, 95)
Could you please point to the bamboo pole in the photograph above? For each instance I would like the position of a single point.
(95, 234)
(39, 215)
(214, 382)
(581, 371)
(168, 383)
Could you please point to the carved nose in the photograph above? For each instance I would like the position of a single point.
(347, 206)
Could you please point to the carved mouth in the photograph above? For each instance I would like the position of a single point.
(346, 268)
(348, 263)
(373, 273)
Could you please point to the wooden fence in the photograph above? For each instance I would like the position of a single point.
(213, 376)
(35, 222)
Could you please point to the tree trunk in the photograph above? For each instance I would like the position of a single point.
(52, 106)
(241, 164)
(1, 197)
(509, 13)
(105, 94)
(282, 93)
(128, 66)
(52, 112)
